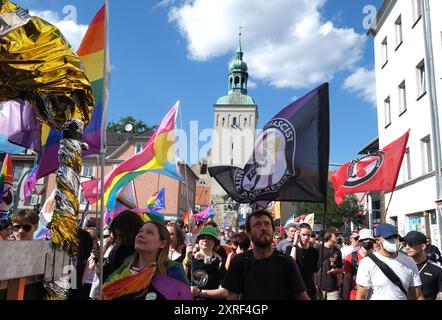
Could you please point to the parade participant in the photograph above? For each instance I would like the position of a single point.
(24, 224)
(176, 247)
(205, 268)
(124, 229)
(433, 252)
(5, 229)
(240, 244)
(149, 274)
(85, 246)
(263, 273)
(306, 258)
(352, 247)
(191, 233)
(430, 273)
(277, 238)
(351, 262)
(330, 268)
(386, 274)
(291, 229)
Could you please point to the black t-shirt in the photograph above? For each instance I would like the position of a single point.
(273, 278)
(207, 276)
(431, 276)
(332, 259)
(307, 261)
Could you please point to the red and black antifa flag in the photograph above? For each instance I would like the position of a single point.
(375, 172)
(290, 158)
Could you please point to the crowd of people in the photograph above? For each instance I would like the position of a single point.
(176, 261)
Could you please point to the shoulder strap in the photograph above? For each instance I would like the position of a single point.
(389, 273)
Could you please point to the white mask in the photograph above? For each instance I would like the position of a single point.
(391, 245)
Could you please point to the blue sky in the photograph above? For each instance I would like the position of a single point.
(162, 51)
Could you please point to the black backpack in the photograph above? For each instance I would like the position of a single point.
(281, 262)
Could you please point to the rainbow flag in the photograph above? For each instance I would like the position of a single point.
(187, 216)
(157, 201)
(158, 155)
(6, 186)
(94, 55)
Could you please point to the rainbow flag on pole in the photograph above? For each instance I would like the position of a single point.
(158, 155)
(94, 54)
(6, 186)
(157, 201)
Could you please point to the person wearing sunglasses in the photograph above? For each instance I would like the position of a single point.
(365, 246)
(388, 274)
(24, 224)
(415, 244)
(5, 229)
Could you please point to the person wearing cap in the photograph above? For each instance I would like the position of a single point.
(204, 267)
(291, 229)
(373, 283)
(351, 262)
(330, 266)
(415, 244)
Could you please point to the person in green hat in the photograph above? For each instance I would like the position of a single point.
(204, 267)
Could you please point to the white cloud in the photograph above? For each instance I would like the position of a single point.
(286, 43)
(363, 82)
(72, 31)
(251, 84)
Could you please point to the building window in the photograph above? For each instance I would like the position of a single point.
(224, 122)
(387, 112)
(17, 171)
(402, 98)
(88, 170)
(407, 166)
(420, 78)
(416, 8)
(234, 121)
(384, 52)
(427, 164)
(398, 31)
(83, 199)
(138, 148)
(32, 200)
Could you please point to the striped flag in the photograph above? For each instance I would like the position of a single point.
(6, 186)
(158, 156)
(94, 55)
(187, 216)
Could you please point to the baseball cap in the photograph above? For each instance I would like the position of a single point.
(365, 234)
(386, 230)
(414, 237)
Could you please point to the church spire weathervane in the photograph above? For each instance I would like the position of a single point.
(238, 75)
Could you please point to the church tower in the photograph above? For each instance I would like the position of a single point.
(236, 116)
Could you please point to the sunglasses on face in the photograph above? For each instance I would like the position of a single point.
(25, 227)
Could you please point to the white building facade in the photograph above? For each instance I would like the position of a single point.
(408, 62)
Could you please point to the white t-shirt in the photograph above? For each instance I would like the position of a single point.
(381, 288)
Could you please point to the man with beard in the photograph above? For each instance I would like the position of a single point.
(263, 273)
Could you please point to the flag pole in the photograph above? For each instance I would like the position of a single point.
(103, 140)
(324, 225)
(185, 165)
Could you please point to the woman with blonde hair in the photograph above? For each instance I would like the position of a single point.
(149, 274)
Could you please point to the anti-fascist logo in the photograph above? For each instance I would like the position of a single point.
(364, 169)
(272, 162)
(7, 198)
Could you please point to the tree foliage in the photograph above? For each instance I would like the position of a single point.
(138, 125)
(336, 215)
